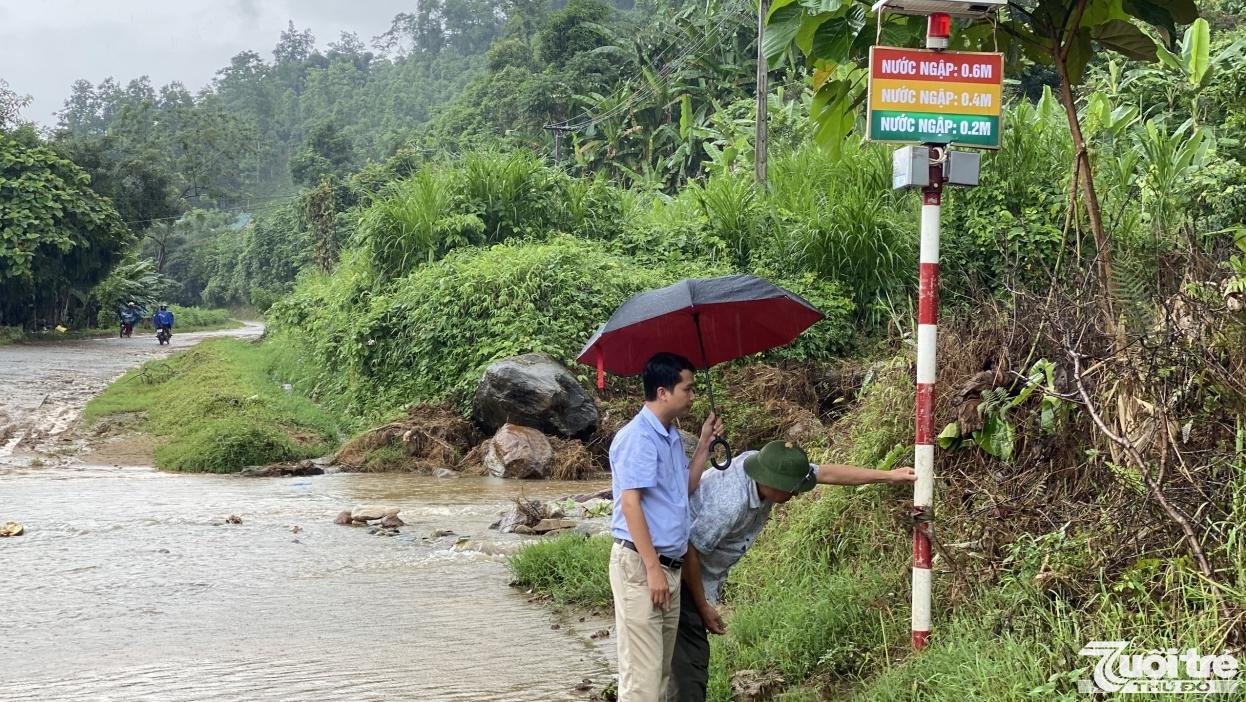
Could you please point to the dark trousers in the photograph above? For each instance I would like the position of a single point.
(690, 666)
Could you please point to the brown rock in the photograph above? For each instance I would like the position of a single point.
(518, 452)
(392, 522)
(343, 518)
(604, 494)
(369, 513)
(553, 525)
(281, 470)
(233, 519)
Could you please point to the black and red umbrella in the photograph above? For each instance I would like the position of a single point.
(706, 320)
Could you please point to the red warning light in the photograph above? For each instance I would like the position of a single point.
(940, 25)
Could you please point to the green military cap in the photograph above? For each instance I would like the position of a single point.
(782, 465)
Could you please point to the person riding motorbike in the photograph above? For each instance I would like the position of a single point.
(163, 321)
(129, 315)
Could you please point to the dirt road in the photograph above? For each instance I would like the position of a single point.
(47, 384)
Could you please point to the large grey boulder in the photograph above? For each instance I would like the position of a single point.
(534, 390)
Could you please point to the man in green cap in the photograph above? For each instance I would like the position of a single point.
(728, 511)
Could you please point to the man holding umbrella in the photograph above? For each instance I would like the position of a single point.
(710, 321)
(652, 478)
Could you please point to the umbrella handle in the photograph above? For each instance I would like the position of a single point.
(714, 453)
(709, 386)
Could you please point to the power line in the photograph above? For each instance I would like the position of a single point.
(281, 201)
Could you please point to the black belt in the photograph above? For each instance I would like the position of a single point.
(672, 563)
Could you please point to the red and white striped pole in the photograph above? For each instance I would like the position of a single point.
(938, 30)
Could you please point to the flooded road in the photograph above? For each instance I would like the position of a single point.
(45, 385)
(130, 585)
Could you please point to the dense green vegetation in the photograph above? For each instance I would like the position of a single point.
(569, 569)
(404, 218)
(188, 319)
(218, 408)
(58, 238)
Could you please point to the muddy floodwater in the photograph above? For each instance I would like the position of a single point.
(129, 584)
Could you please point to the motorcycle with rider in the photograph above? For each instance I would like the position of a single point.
(163, 321)
(130, 314)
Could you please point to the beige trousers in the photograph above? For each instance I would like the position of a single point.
(645, 634)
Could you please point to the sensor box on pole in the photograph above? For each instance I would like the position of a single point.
(962, 167)
(910, 167)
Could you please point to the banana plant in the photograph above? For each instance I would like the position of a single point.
(1170, 159)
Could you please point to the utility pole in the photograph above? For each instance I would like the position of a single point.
(931, 167)
(761, 144)
(557, 132)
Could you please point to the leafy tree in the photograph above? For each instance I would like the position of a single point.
(326, 152)
(11, 105)
(573, 30)
(140, 186)
(58, 238)
(294, 47)
(510, 52)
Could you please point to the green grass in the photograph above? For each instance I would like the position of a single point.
(568, 569)
(823, 599)
(813, 596)
(220, 409)
(188, 319)
(9, 335)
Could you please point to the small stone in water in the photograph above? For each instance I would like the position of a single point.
(233, 519)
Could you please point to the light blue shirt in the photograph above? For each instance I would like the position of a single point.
(647, 455)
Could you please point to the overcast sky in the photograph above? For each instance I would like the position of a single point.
(45, 45)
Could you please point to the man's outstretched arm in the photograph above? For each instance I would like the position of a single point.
(840, 474)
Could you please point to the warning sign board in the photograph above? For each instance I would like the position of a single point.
(935, 97)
